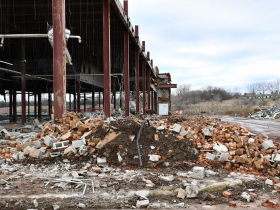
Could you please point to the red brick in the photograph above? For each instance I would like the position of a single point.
(232, 203)
(227, 194)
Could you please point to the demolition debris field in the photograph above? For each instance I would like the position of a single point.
(185, 161)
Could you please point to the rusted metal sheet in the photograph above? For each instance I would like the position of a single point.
(167, 86)
(106, 58)
(137, 72)
(59, 57)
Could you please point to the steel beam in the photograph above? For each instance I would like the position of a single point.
(59, 58)
(106, 58)
(11, 103)
(23, 105)
(149, 90)
(137, 72)
(152, 98)
(99, 99)
(39, 105)
(126, 63)
(15, 103)
(28, 104)
(35, 105)
(144, 85)
(78, 96)
(93, 98)
(85, 104)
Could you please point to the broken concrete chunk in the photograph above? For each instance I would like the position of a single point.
(181, 194)
(207, 132)
(210, 156)
(198, 173)
(49, 140)
(269, 182)
(142, 204)
(247, 197)
(154, 158)
(267, 144)
(60, 145)
(191, 191)
(36, 153)
(27, 129)
(183, 133)
(70, 149)
(78, 143)
(224, 156)
(101, 161)
(220, 148)
(277, 157)
(83, 150)
(37, 144)
(167, 178)
(177, 128)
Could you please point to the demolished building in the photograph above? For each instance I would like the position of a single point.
(73, 49)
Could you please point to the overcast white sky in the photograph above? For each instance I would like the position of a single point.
(224, 43)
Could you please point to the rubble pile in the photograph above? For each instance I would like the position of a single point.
(242, 150)
(269, 113)
(169, 142)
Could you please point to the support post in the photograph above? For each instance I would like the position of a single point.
(23, 105)
(28, 104)
(85, 103)
(148, 90)
(152, 99)
(11, 104)
(49, 104)
(156, 105)
(93, 98)
(35, 105)
(39, 105)
(115, 100)
(144, 85)
(15, 103)
(126, 63)
(78, 96)
(106, 58)
(99, 99)
(75, 102)
(137, 71)
(70, 102)
(59, 58)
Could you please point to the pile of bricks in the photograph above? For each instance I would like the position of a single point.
(69, 135)
(234, 145)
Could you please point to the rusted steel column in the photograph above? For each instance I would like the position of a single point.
(93, 98)
(126, 63)
(152, 98)
(85, 104)
(103, 99)
(78, 96)
(170, 99)
(148, 90)
(75, 102)
(144, 85)
(115, 100)
(23, 105)
(15, 103)
(156, 102)
(39, 105)
(152, 63)
(49, 104)
(137, 71)
(99, 99)
(106, 58)
(59, 58)
(70, 102)
(35, 104)
(28, 104)
(11, 103)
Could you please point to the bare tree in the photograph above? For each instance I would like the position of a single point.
(183, 89)
(252, 89)
(274, 87)
(262, 87)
